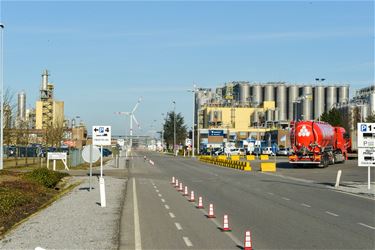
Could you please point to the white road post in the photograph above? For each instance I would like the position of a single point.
(338, 178)
(368, 179)
(101, 181)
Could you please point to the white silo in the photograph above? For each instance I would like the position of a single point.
(21, 111)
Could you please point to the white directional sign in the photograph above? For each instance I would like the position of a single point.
(101, 135)
(366, 144)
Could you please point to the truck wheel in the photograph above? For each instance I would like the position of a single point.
(325, 161)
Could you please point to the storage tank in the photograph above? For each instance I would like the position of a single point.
(276, 116)
(45, 79)
(218, 115)
(372, 103)
(281, 102)
(255, 117)
(307, 103)
(331, 97)
(318, 101)
(269, 92)
(270, 115)
(257, 96)
(292, 96)
(21, 106)
(244, 93)
(343, 94)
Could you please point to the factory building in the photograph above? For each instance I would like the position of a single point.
(48, 111)
(248, 110)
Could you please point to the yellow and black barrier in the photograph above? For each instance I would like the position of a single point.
(268, 166)
(241, 165)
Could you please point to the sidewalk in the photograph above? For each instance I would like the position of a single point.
(76, 221)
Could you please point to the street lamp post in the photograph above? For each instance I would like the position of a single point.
(193, 129)
(174, 127)
(2, 100)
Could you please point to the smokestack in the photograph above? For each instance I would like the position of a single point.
(21, 106)
(45, 79)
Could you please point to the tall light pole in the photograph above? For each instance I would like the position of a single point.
(174, 127)
(193, 129)
(2, 99)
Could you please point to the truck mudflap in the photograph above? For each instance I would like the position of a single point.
(294, 159)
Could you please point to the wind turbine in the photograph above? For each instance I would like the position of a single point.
(131, 119)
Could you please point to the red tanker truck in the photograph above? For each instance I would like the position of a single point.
(318, 143)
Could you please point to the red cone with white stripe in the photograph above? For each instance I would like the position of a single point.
(248, 243)
(200, 202)
(173, 180)
(180, 188)
(176, 184)
(192, 198)
(211, 212)
(226, 224)
(186, 191)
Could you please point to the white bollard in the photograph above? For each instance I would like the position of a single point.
(338, 178)
(102, 192)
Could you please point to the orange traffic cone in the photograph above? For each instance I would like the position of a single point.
(176, 184)
(248, 245)
(180, 188)
(226, 224)
(211, 212)
(173, 180)
(192, 198)
(186, 191)
(200, 202)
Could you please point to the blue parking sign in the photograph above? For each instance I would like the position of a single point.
(363, 127)
(101, 130)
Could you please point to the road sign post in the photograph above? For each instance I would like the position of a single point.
(101, 136)
(366, 148)
(90, 154)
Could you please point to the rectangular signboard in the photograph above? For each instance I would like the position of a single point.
(215, 132)
(101, 135)
(56, 156)
(366, 135)
(366, 157)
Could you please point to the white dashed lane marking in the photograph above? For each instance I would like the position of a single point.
(364, 225)
(178, 226)
(172, 215)
(187, 241)
(270, 193)
(285, 198)
(162, 200)
(166, 206)
(330, 213)
(159, 195)
(305, 205)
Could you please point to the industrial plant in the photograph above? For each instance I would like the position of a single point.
(244, 110)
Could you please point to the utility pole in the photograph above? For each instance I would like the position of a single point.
(174, 127)
(2, 100)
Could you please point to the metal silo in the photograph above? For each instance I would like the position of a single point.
(269, 92)
(344, 94)
(281, 102)
(270, 115)
(307, 105)
(21, 106)
(292, 96)
(255, 117)
(331, 94)
(45, 80)
(372, 103)
(244, 93)
(256, 93)
(318, 101)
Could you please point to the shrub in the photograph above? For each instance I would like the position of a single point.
(45, 177)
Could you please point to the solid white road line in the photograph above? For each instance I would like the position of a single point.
(166, 206)
(178, 226)
(284, 198)
(187, 241)
(172, 215)
(162, 200)
(137, 231)
(330, 213)
(363, 224)
(305, 205)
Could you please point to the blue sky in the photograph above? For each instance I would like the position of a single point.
(104, 55)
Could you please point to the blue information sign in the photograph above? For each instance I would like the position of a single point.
(215, 132)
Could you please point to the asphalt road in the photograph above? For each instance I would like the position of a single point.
(281, 213)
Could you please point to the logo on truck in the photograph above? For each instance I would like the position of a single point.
(303, 131)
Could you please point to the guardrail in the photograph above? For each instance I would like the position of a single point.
(236, 164)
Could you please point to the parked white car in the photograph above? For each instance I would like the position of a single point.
(268, 151)
(237, 151)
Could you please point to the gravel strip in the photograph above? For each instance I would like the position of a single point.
(76, 221)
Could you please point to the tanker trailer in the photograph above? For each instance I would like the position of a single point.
(318, 143)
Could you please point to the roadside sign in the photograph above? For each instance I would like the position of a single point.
(101, 135)
(56, 156)
(366, 135)
(366, 157)
(86, 154)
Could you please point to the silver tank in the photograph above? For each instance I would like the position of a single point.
(343, 94)
(372, 103)
(292, 96)
(244, 93)
(281, 102)
(218, 115)
(270, 115)
(269, 92)
(276, 116)
(365, 111)
(255, 117)
(45, 80)
(307, 103)
(21, 106)
(331, 97)
(256, 92)
(318, 101)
